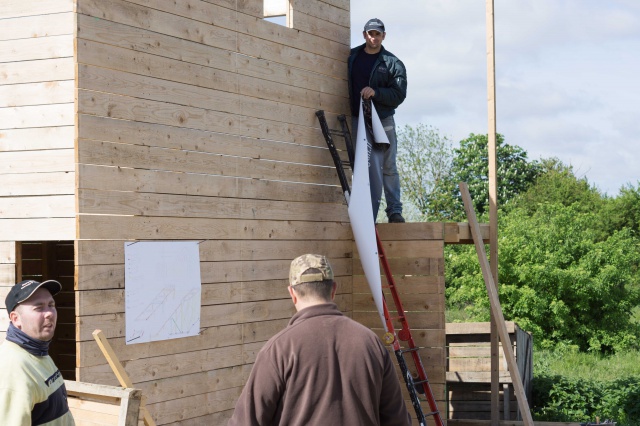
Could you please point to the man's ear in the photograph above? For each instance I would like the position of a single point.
(333, 290)
(15, 319)
(292, 293)
(364, 35)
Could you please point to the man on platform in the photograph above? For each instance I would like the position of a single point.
(323, 368)
(32, 390)
(378, 75)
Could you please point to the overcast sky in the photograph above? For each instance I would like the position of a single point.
(567, 75)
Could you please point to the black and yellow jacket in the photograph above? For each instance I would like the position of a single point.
(32, 390)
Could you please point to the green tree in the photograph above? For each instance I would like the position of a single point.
(561, 276)
(424, 165)
(565, 283)
(557, 184)
(623, 211)
(471, 165)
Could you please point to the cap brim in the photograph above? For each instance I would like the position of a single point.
(52, 286)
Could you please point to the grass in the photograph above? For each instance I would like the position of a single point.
(570, 363)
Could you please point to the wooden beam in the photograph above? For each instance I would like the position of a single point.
(459, 233)
(496, 309)
(493, 203)
(119, 371)
(15, 8)
(37, 26)
(39, 229)
(475, 377)
(475, 327)
(34, 71)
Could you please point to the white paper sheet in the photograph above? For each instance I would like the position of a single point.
(361, 217)
(162, 290)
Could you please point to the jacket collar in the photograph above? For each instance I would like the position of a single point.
(33, 346)
(315, 311)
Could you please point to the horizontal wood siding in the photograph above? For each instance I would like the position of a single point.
(469, 370)
(37, 116)
(415, 252)
(196, 121)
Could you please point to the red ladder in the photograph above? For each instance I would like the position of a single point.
(391, 337)
(404, 334)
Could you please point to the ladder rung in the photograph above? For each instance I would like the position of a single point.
(399, 317)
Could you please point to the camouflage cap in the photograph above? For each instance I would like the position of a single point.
(302, 264)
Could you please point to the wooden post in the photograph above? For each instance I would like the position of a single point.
(496, 309)
(18, 260)
(118, 370)
(493, 206)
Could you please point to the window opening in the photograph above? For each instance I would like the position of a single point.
(279, 12)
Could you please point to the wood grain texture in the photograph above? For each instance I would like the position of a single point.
(112, 252)
(37, 71)
(123, 179)
(52, 24)
(29, 49)
(16, 8)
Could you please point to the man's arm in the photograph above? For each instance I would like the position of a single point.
(15, 407)
(259, 400)
(396, 91)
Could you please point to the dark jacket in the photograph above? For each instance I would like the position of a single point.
(388, 78)
(322, 369)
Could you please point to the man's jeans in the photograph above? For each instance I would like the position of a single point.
(382, 168)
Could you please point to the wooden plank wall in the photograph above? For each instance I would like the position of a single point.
(37, 80)
(196, 122)
(415, 252)
(7, 280)
(469, 370)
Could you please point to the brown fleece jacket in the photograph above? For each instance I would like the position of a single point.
(322, 369)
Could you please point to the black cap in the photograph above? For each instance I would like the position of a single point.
(25, 289)
(374, 24)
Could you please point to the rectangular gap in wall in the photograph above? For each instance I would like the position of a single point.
(54, 260)
(279, 12)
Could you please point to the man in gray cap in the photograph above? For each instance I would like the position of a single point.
(323, 368)
(377, 75)
(32, 390)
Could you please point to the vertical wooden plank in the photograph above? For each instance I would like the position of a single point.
(493, 204)
(496, 308)
(7, 279)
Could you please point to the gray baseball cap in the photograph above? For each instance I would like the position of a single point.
(374, 24)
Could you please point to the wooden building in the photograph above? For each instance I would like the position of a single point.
(468, 370)
(129, 120)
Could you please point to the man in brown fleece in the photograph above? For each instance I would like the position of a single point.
(323, 368)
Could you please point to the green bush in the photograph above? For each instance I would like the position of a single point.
(563, 399)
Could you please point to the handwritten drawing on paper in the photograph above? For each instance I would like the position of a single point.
(162, 290)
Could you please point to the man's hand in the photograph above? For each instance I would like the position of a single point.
(367, 92)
